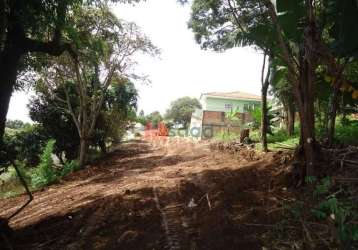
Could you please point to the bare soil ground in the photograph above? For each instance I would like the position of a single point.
(157, 195)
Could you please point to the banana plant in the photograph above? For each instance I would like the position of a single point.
(231, 117)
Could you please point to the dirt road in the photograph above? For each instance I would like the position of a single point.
(154, 195)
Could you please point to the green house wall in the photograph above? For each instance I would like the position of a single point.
(226, 105)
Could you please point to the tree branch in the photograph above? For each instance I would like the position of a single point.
(287, 56)
(263, 70)
(72, 113)
(28, 192)
(104, 89)
(236, 17)
(3, 23)
(53, 48)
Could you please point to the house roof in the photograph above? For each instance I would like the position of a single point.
(233, 95)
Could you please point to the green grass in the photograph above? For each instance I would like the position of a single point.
(344, 133)
(286, 144)
(43, 175)
(278, 140)
(255, 135)
(226, 137)
(10, 183)
(347, 134)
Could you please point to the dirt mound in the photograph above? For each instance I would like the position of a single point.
(240, 150)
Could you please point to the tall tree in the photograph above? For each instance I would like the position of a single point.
(265, 82)
(119, 104)
(153, 119)
(181, 109)
(282, 90)
(302, 32)
(32, 26)
(223, 24)
(300, 36)
(24, 28)
(105, 51)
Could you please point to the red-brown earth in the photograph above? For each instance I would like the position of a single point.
(168, 194)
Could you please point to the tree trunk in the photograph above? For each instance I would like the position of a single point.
(332, 115)
(325, 121)
(290, 119)
(304, 93)
(83, 151)
(9, 62)
(60, 158)
(103, 147)
(264, 110)
(264, 122)
(6, 88)
(304, 83)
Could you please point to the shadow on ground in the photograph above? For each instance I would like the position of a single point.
(234, 206)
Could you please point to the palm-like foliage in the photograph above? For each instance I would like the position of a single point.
(224, 24)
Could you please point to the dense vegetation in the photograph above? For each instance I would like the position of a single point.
(180, 111)
(312, 57)
(312, 70)
(84, 96)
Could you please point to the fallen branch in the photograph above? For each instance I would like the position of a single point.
(266, 225)
(28, 192)
(275, 209)
(207, 198)
(288, 148)
(345, 179)
(308, 235)
(352, 162)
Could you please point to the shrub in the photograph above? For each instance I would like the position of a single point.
(23, 145)
(256, 116)
(255, 135)
(16, 124)
(342, 210)
(10, 181)
(45, 174)
(69, 167)
(278, 136)
(347, 133)
(30, 143)
(225, 136)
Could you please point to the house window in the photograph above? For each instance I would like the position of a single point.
(228, 106)
(248, 107)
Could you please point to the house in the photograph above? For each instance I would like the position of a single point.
(212, 118)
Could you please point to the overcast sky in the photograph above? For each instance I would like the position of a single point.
(183, 69)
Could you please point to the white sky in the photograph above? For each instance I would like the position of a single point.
(183, 69)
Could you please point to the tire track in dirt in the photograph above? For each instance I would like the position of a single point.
(179, 228)
(169, 224)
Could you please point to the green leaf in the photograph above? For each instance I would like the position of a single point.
(290, 15)
(320, 215)
(287, 5)
(344, 15)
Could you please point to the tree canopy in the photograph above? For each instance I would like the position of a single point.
(305, 37)
(30, 28)
(221, 24)
(181, 109)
